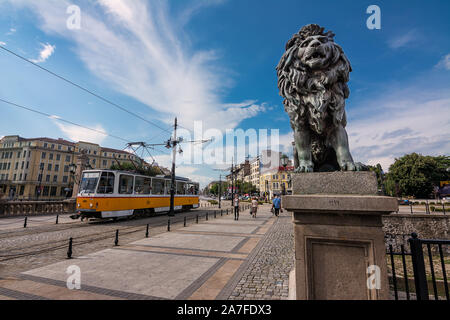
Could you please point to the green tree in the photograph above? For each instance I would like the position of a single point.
(416, 175)
(380, 176)
(128, 166)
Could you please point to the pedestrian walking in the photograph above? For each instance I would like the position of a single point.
(236, 207)
(276, 205)
(254, 207)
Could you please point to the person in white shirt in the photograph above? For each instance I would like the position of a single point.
(254, 207)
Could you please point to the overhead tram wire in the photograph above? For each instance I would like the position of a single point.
(84, 89)
(55, 117)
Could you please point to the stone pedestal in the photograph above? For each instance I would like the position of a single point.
(339, 242)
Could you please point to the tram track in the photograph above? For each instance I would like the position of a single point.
(81, 240)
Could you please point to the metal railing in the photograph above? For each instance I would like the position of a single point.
(428, 274)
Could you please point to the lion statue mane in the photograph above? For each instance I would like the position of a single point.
(312, 78)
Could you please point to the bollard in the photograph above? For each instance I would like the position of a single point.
(411, 207)
(168, 225)
(196, 219)
(69, 251)
(25, 222)
(221, 213)
(443, 207)
(184, 221)
(116, 241)
(215, 214)
(146, 232)
(57, 218)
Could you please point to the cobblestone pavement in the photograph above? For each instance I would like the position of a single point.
(267, 276)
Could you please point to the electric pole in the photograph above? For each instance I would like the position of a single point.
(172, 184)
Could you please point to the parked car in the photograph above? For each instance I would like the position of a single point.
(403, 202)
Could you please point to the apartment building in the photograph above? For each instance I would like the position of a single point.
(44, 167)
(276, 181)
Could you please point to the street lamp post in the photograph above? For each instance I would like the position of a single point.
(284, 163)
(40, 182)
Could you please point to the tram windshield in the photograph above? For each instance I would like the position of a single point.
(89, 182)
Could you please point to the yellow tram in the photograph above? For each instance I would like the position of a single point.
(113, 194)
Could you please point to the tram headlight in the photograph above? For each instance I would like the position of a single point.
(91, 205)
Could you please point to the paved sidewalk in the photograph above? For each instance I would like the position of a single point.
(217, 259)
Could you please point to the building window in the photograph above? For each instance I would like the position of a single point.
(58, 157)
(53, 146)
(59, 147)
(17, 166)
(45, 193)
(47, 178)
(53, 191)
(66, 168)
(23, 165)
(67, 158)
(55, 178)
(44, 155)
(45, 145)
(41, 166)
(40, 177)
(56, 167)
(49, 167)
(14, 178)
(50, 156)
(18, 154)
(25, 177)
(20, 177)
(105, 163)
(28, 164)
(65, 179)
(9, 165)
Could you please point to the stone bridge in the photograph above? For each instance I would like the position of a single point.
(27, 208)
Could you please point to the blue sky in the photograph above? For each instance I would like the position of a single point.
(215, 61)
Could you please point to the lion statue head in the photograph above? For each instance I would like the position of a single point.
(312, 78)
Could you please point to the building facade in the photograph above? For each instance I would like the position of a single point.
(275, 182)
(44, 167)
(255, 172)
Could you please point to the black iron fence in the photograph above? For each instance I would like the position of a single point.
(421, 272)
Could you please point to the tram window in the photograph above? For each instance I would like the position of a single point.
(191, 189)
(126, 184)
(106, 184)
(89, 182)
(181, 188)
(157, 186)
(168, 183)
(142, 185)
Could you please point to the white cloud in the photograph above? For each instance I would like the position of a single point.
(2, 43)
(11, 31)
(401, 126)
(76, 133)
(144, 52)
(45, 53)
(445, 62)
(403, 40)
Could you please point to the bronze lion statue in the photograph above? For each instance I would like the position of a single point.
(312, 78)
